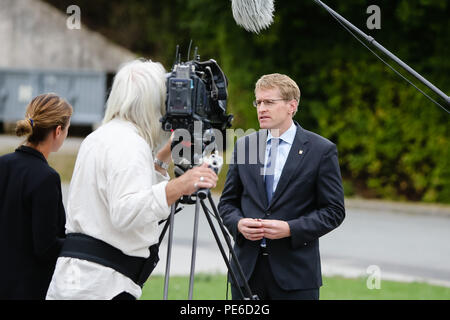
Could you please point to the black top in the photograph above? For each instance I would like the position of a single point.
(32, 221)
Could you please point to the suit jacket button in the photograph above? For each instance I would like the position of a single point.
(305, 244)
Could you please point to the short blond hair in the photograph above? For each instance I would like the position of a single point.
(288, 88)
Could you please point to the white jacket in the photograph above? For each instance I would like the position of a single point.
(117, 196)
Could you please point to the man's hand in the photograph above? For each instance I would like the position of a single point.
(275, 229)
(251, 229)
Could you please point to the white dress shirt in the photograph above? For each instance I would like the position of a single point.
(284, 146)
(117, 196)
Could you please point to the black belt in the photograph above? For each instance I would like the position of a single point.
(88, 248)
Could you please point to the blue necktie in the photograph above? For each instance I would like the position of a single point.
(270, 167)
(270, 173)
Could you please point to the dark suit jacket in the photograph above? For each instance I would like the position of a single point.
(309, 196)
(32, 221)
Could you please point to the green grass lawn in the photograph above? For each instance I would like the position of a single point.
(213, 287)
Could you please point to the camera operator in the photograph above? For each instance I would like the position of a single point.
(119, 192)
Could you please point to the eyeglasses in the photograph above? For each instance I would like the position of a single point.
(267, 102)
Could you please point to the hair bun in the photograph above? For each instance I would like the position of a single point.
(23, 127)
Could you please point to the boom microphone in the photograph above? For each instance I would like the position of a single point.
(253, 15)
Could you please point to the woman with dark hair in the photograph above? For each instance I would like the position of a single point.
(32, 216)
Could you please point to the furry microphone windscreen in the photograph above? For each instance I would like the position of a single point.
(253, 15)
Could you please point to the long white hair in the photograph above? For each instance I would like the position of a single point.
(138, 95)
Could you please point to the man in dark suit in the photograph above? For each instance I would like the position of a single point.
(282, 192)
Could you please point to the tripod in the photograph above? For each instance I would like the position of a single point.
(200, 197)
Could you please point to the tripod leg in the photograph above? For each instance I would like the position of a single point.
(169, 250)
(230, 247)
(222, 250)
(194, 248)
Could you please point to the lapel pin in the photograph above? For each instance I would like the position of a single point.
(300, 151)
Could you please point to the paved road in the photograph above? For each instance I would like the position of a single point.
(8, 143)
(404, 246)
